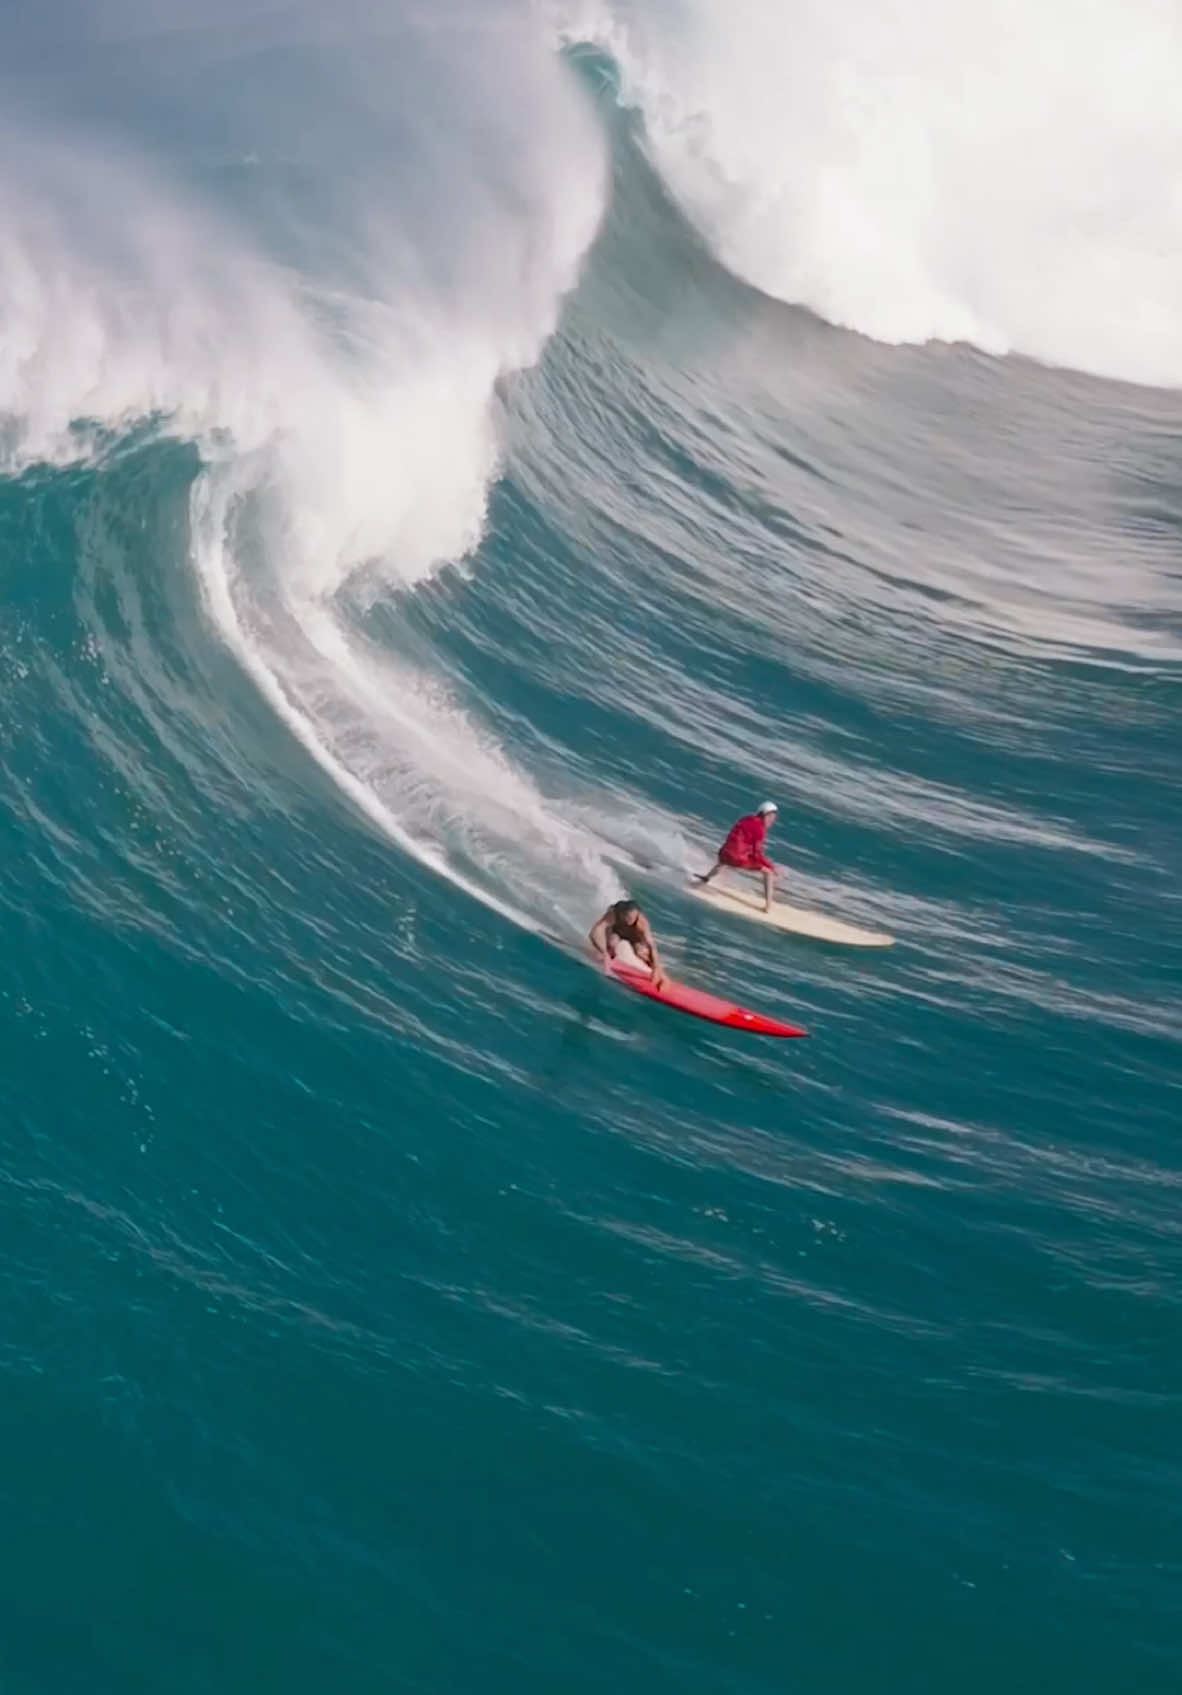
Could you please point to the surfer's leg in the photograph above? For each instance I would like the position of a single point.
(769, 883)
(705, 877)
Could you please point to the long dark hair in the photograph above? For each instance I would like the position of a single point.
(621, 908)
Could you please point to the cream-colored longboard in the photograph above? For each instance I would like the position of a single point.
(793, 918)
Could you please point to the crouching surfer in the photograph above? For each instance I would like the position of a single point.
(743, 850)
(624, 933)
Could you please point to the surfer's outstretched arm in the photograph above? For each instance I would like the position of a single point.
(597, 935)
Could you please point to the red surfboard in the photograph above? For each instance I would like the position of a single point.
(701, 1005)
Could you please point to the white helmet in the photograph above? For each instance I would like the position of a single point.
(767, 806)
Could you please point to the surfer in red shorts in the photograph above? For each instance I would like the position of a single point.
(743, 850)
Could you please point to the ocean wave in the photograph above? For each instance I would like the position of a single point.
(321, 284)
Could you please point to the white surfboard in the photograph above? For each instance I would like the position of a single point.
(796, 919)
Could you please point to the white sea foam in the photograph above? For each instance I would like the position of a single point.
(1008, 174)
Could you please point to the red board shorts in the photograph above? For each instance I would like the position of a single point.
(746, 861)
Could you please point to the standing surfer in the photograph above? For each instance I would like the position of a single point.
(743, 849)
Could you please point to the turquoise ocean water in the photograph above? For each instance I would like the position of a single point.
(415, 530)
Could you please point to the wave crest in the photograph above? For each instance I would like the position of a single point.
(1005, 175)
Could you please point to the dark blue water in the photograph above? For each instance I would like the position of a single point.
(390, 1302)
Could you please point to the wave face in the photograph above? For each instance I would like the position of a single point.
(416, 529)
(1005, 176)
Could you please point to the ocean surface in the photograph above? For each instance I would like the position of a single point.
(455, 459)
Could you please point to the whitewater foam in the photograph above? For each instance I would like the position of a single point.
(1006, 175)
